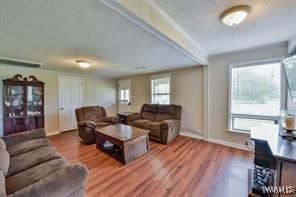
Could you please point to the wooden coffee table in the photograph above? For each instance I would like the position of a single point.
(122, 142)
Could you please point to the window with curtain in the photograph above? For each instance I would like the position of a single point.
(255, 96)
(160, 89)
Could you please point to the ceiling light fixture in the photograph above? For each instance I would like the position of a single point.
(235, 15)
(83, 63)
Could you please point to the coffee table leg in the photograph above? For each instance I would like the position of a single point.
(99, 143)
(123, 153)
(147, 141)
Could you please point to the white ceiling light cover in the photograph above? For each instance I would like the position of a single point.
(235, 18)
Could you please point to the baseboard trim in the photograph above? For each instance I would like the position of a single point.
(53, 133)
(216, 141)
(230, 144)
(192, 135)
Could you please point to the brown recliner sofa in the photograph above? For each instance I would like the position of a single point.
(88, 118)
(163, 121)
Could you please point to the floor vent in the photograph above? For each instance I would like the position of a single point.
(19, 63)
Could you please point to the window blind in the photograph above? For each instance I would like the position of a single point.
(255, 95)
(161, 90)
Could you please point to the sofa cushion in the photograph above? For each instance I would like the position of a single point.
(27, 146)
(150, 108)
(166, 112)
(95, 113)
(2, 144)
(2, 185)
(59, 184)
(164, 116)
(102, 124)
(4, 161)
(149, 111)
(33, 175)
(154, 128)
(148, 115)
(78, 193)
(140, 123)
(24, 136)
(32, 158)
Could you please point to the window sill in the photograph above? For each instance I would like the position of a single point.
(238, 132)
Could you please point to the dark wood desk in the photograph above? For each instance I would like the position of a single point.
(283, 150)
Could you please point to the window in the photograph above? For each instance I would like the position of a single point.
(160, 89)
(255, 96)
(124, 95)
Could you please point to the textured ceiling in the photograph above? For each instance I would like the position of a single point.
(58, 32)
(270, 21)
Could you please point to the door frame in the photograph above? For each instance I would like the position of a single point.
(60, 77)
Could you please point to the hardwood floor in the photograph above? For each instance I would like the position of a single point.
(186, 167)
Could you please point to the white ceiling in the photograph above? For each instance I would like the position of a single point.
(270, 21)
(58, 32)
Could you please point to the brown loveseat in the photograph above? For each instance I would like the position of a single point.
(88, 118)
(163, 121)
(31, 166)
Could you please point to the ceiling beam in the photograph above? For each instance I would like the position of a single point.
(292, 44)
(151, 17)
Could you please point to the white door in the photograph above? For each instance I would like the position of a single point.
(70, 98)
(124, 95)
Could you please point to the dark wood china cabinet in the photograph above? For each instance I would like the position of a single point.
(23, 104)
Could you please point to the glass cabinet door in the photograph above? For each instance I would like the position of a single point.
(14, 101)
(34, 100)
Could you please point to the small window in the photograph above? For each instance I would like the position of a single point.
(124, 96)
(160, 89)
(255, 96)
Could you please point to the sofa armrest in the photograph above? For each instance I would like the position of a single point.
(171, 123)
(170, 130)
(62, 183)
(24, 136)
(133, 117)
(89, 124)
(112, 119)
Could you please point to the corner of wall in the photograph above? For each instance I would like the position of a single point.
(192, 135)
(206, 107)
(229, 144)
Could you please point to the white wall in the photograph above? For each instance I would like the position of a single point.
(140, 91)
(203, 93)
(187, 91)
(218, 82)
(97, 91)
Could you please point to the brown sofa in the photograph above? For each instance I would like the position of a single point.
(163, 121)
(31, 166)
(88, 118)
